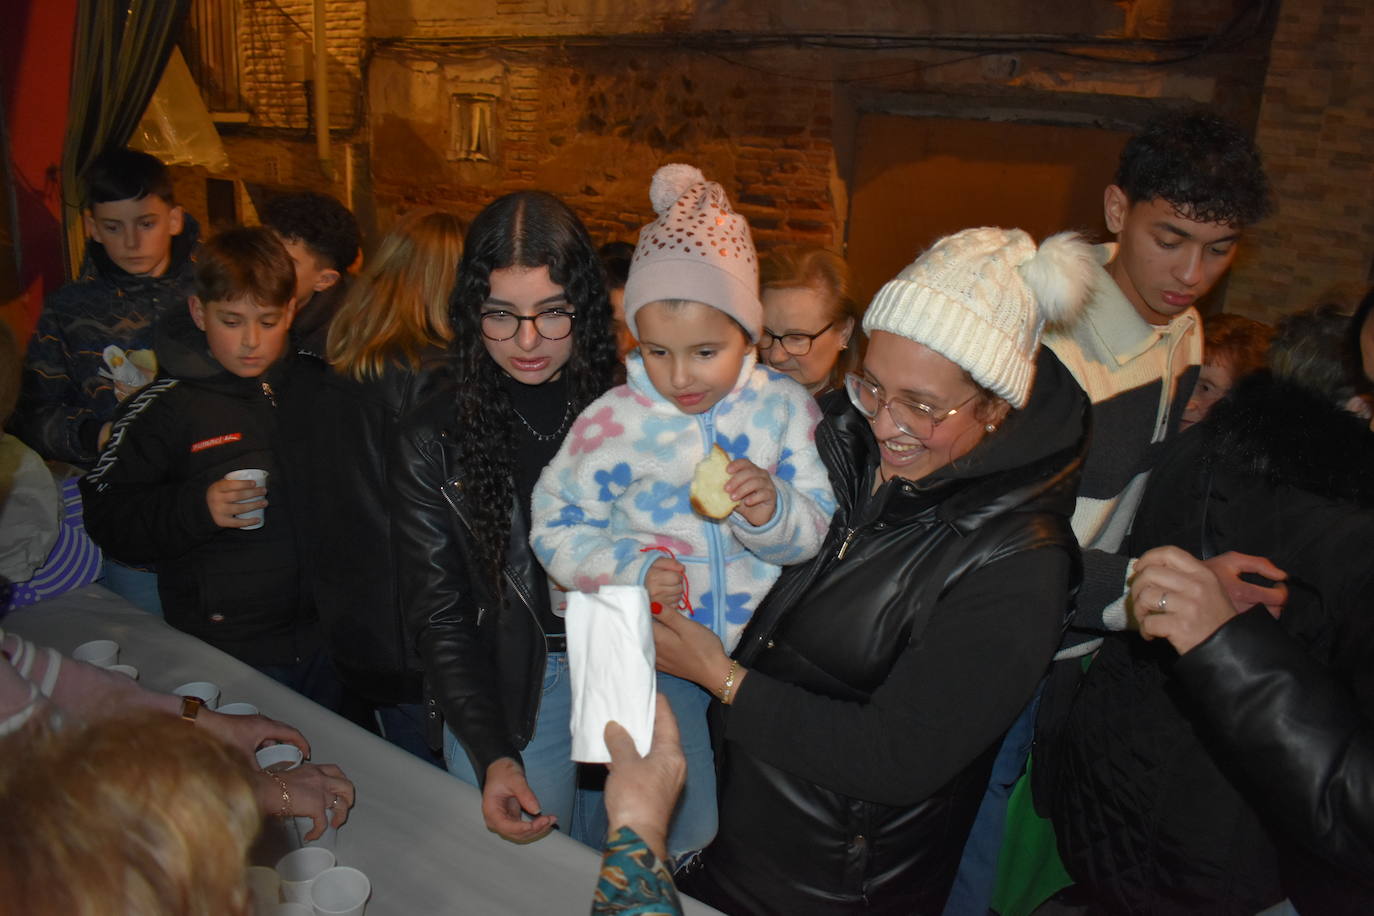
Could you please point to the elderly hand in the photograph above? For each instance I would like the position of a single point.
(314, 790)
(247, 733)
(1175, 596)
(1228, 568)
(641, 792)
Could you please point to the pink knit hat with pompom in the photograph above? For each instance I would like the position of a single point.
(699, 249)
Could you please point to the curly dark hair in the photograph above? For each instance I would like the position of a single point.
(326, 226)
(524, 229)
(1201, 164)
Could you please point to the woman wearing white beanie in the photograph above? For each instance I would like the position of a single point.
(874, 684)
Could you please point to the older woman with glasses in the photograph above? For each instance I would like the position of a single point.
(873, 685)
(809, 318)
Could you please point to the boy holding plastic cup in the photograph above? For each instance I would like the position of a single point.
(184, 479)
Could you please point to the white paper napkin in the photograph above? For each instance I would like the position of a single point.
(611, 662)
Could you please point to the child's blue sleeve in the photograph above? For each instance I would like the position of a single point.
(805, 501)
(573, 504)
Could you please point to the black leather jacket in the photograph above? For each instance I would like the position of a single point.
(884, 673)
(351, 569)
(1163, 816)
(483, 653)
(1300, 738)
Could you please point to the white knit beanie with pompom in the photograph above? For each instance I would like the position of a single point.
(981, 297)
(699, 249)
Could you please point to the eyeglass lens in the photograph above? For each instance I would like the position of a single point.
(551, 325)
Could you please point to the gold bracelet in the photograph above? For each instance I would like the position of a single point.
(285, 796)
(728, 687)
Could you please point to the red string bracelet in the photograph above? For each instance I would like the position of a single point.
(685, 604)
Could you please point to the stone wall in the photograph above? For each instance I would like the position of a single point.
(1316, 130)
(593, 124)
(270, 34)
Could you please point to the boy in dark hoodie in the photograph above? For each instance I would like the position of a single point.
(93, 346)
(159, 492)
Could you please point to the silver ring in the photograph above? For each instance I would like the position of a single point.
(1163, 603)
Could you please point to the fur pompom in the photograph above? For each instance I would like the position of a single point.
(1061, 276)
(670, 183)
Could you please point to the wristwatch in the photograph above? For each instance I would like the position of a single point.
(190, 708)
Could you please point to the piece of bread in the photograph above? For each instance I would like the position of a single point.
(708, 486)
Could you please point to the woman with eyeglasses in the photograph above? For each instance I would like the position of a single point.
(809, 317)
(532, 346)
(873, 685)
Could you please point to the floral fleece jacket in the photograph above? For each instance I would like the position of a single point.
(620, 486)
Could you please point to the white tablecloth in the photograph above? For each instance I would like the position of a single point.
(415, 831)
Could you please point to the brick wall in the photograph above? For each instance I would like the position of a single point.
(1316, 130)
(593, 124)
(267, 31)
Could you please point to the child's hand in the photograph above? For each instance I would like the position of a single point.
(752, 487)
(224, 501)
(663, 581)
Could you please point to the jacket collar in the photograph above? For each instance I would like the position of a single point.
(1289, 436)
(1119, 330)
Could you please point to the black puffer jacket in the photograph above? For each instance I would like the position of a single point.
(352, 568)
(883, 674)
(1159, 812)
(484, 653)
(236, 589)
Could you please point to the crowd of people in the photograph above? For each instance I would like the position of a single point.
(1024, 527)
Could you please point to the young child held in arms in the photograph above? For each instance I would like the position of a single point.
(159, 492)
(617, 504)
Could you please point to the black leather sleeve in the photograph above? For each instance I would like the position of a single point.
(1296, 731)
(441, 605)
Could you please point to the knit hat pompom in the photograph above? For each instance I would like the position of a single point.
(981, 298)
(698, 250)
(670, 183)
(1060, 276)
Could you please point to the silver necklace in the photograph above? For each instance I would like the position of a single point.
(547, 437)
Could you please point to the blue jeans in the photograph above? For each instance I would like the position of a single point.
(971, 894)
(135, 586)
(549, 767)
(552, 774)
(694, 824)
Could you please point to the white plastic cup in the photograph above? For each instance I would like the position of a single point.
(328, 839)
(278, 758)
(340, 891)
(237, 709)
(259, 478)
(299, 868)
(126, 670)
(265, 886)
(99, 652)
(206, 691)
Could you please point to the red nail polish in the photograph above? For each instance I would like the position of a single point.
(655, 607)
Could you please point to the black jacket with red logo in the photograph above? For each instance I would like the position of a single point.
(238, 590)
